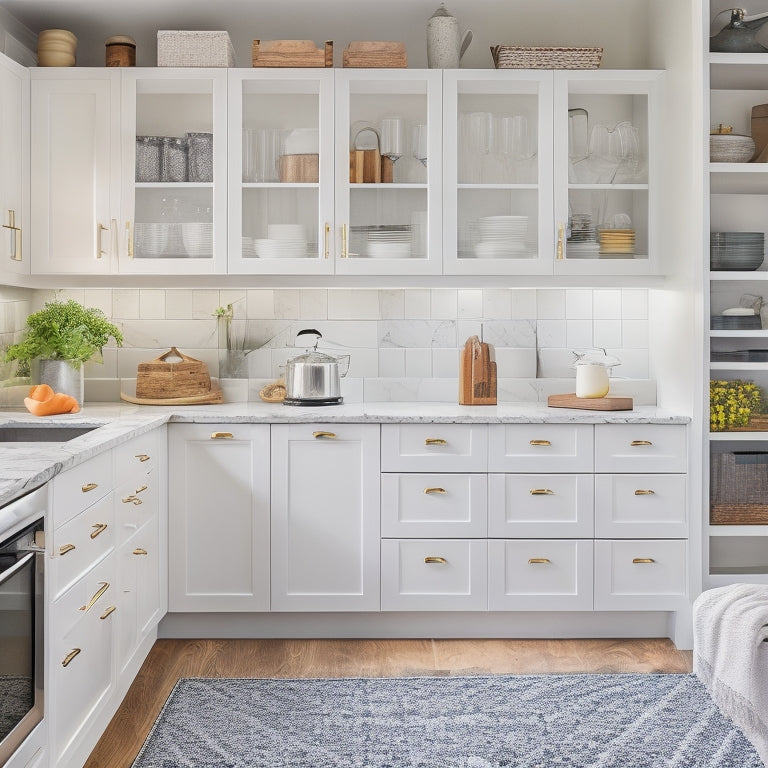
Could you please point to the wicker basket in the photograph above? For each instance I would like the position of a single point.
(739, 488)
(182, 48)
(159, 379)
(518, 57)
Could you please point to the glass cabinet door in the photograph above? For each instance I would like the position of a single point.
(606, 152)
(281, 171)
(174, 171)
(498, 172)
(388, 172)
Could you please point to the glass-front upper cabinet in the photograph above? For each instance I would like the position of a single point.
(281, 171)
(388, 171)
(174, 171)
(607, 154)
(497, 197)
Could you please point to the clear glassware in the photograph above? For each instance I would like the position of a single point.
(392, 136)
(419, 143)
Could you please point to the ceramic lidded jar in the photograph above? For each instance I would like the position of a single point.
(445, 46)
(56, 48)
(592, 371)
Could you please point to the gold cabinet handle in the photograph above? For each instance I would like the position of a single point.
(326, 238)
(99, 592)
(638, 560)
(141, 489)
(99, 250)
(560, 252)
(440, 560)
(640, 492)
(139, 551)
(541, 492)
(540, 442)
(640, 442)
(129, 230)
(533, 560)
(142, 457)
(66, 548)
(98, 528)
(324, 435)
(221, 435)
(435, 441)
(344, 249)
(435, 490)
(108, 612)
(135, 500)
(71, 655)
(89, 487)
(15, 236)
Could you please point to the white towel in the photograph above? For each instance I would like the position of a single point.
(730, 655)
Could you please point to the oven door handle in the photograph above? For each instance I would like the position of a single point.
(15, 568)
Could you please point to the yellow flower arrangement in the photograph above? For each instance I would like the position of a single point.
(731, 403)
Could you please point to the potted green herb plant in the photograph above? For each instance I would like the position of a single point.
(64, 335)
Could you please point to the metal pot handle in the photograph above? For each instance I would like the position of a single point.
(310, 332)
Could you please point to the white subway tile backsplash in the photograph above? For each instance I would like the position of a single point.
(313, 303)
(417, 333)
(178, 304)
(445, 363)
(578, 334)
(634, 363)
(418, 363)
(417, 304)
(550, 304)
(392, 362)
(101, 390)
(353, 304)
(510, 333)
(259, 363)
(606, 304)
(578, 304)
(555, 363)
(184, 334)
(606, 333)
(103, 370)
(151, 304)
(522, 304)
(100, 298)
(469, 303)
(204, 304)
(345, 333)
(634, 304)
(126, 304)
(260, 304)
(551, 333)
(517, 390)
(497, 304)
(443, 304)
(287, 303)
(467, 328)
(634, 334)
(237, 297)
(363, 363)
(392, 304)
(514, 363)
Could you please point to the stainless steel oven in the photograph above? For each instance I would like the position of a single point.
(22, 586)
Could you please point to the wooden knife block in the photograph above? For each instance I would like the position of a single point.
(364, 166)
(477, 374)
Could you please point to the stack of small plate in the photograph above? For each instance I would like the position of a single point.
(582, 242)
(617, 242)
(393, 242)
(283, 241)
(501, 236)
(739, 251)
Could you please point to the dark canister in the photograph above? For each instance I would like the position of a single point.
(121, 51)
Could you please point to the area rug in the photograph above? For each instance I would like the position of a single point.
(525, 721)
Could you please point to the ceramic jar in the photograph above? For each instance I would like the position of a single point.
(121, 51)
(56, 48)
(445, 46)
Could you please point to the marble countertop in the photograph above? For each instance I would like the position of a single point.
(25, 466)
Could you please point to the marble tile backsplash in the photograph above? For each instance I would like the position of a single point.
(408, 334)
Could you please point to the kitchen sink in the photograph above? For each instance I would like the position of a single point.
(28, 433)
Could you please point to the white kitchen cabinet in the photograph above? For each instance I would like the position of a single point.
(14, 167)
(218, 495)
(75, 170)
(325, 517)
(540, 448)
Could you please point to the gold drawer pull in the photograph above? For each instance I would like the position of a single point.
(98, 528)
(533, 560)
(66, 548)
(141, 489)
(541, 492)
(440, 560)
(324, 435)
(139, 551)
(638, 560)
(540, 442)
(640, 492)
(68, 658)
(641, 442)
(89, 487)
(141, 457)
(108, 612)
(435, 490)
(221, 435)
(435, 441)
(99, 592)
(135, 500)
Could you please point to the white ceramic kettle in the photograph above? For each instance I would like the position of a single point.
(445, 46)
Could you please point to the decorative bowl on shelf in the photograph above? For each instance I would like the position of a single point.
(727, 147)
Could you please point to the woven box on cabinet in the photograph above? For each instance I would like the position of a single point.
(739, 488)
(183, 48)
(539, 57)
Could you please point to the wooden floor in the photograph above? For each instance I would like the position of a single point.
(171, 659)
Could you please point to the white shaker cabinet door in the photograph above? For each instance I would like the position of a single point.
(325, 517)
(218, 517)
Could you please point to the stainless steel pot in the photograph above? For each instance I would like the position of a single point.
(313, 378)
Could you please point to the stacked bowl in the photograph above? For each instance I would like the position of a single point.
(737, 251)
(502, 236)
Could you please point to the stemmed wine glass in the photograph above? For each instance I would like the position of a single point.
(392, 138)
(419, 143)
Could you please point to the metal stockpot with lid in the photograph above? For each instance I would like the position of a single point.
(314, 377)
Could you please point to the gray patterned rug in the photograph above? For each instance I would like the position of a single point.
(525, 721)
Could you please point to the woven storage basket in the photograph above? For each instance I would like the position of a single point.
(739, 488)
(518, 57)
(159, 379)
(182, 48)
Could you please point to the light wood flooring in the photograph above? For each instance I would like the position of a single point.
(171, 659)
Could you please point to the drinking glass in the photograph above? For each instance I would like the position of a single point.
(392, 136)
(419, 143)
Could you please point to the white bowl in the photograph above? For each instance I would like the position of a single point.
(286, 232)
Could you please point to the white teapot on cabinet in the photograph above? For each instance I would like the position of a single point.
(445, 46)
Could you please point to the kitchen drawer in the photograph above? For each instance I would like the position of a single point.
(640, 448)
(434, 575)
(434, 505)
(135, 504)
(434, 447)
(640, 506)
(540, 506)
(137, 457)
(80, 543)
(640, 574)
(81, 486)
(539, 575)
(540, 448)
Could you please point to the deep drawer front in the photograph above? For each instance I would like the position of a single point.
(434, 505)
(80, 487)
(135, 504)
(434, 447)
(540, 506)
(540, 575)
(640, 506)
(137, 457)
(640, 574)
(434, 575)
(80, 543)
(640, 448)
(540, 448)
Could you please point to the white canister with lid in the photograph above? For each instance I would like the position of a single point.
(592, 370)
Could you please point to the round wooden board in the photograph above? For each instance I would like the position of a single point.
(214, 396)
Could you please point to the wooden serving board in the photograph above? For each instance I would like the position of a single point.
(590, 403)
(291, 53)
(210, 398)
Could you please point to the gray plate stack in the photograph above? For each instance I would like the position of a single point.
(738, 251)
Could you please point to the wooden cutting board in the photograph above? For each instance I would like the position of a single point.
(477, 374)
(590, 403)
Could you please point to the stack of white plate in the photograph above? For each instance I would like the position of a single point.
(197, 238)
(283, 241)
(501, 236)
(389, 243)
(151, 238)
(739, 251)
(249, 250)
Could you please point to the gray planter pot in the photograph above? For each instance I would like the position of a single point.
(62, 377)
